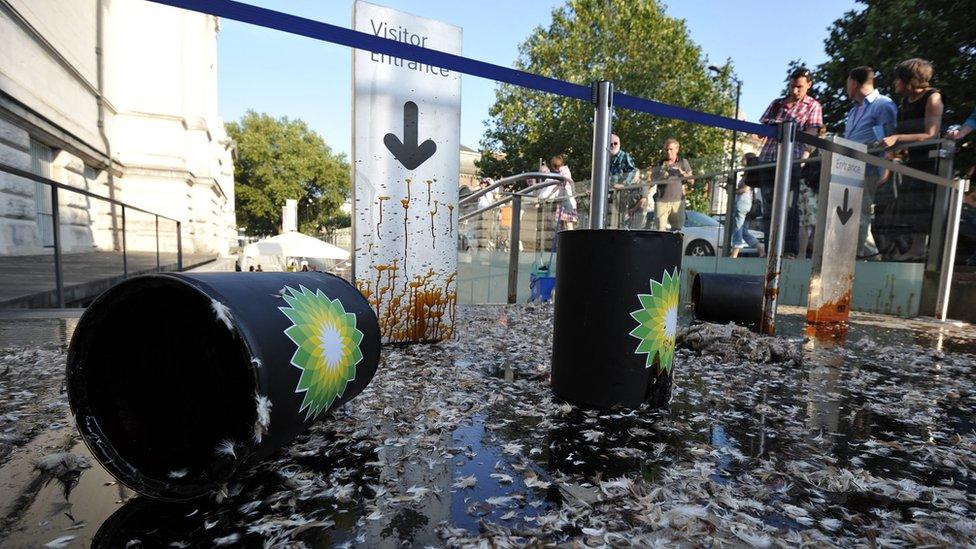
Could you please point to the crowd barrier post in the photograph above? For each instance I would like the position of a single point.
(777, 230)
(938, 260)
(599, 178)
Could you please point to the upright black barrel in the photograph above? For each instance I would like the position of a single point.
(179, 380)
(616, 316)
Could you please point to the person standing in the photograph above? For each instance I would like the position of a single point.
(807, 113)
(967, 127)
(743, 205)
(649, 188)
(623, 174)
(671, 173)
(487, 221)
(872, 118)
(566, 214)
(806, 206)
(919, 119)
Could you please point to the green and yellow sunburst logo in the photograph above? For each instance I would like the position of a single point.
(658, 321)
(328, 346)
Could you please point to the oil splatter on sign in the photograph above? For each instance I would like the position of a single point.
(836, 242)
(406, 163)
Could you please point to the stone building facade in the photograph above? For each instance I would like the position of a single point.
(117, 97)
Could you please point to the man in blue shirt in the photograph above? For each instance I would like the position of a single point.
(871, 119)
(967, 127)
(627, 202)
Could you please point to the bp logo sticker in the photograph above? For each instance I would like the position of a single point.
(658, 321)
(328, 346)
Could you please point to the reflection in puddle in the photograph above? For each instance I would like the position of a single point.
(36, 332)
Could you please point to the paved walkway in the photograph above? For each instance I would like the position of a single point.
(28, 281)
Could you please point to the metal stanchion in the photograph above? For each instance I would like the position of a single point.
(179, 246)
(949, 249)
(777, 221)
(602, 96)
(513, 248)
(945, 153)
(158, 267)
(125, 260)
(56, 228)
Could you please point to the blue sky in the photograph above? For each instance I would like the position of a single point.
(286, 75)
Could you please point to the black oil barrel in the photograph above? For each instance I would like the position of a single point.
(177, 381)
(616, 314)
(727, 298)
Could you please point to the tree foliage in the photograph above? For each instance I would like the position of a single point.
(279, 159)
(882, 33)
(637, 47)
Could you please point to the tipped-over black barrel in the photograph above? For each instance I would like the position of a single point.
(728, 298)
(616, 317)
(178, 381)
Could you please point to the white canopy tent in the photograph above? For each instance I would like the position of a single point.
(274, 253)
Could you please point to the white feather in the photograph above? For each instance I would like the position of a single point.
(226, 447)
(63, 541)
(228, 540)
(222, 313)
(178, 473)
(263, 422)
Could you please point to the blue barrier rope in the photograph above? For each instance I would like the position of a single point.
(301, 26)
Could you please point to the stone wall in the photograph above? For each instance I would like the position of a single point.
(18, 214)
(162, 138)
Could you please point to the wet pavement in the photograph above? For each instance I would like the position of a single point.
(868, 438)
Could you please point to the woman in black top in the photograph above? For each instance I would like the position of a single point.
(919, 119)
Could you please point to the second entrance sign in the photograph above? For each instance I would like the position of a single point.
(835, 244)
(406, 164)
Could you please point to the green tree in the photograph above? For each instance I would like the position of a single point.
(882, 33)
(643, 52)
(279, 159)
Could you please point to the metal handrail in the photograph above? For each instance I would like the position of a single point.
(56, 225)
(40, 179)
(647, 183)
(551, 179)
(515, 198)
(510, 179)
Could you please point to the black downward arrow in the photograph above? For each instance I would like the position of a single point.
(844, 212)
(408, 152)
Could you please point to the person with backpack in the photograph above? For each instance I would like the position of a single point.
(746, 205)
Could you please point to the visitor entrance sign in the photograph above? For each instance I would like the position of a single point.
(836, 242)
(406, 164)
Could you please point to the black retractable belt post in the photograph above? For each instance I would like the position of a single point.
(616, 300)
(177, 381)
